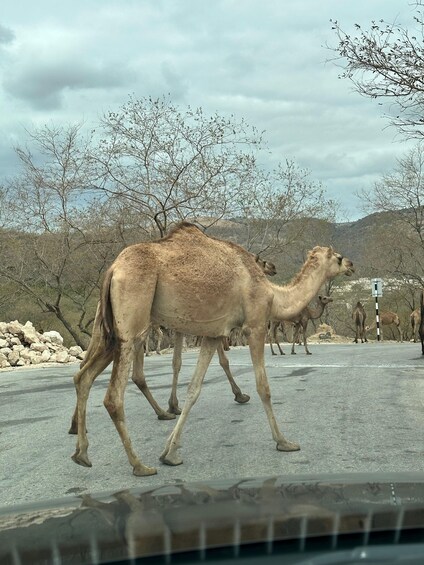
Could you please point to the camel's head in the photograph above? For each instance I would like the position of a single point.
(267, 267)
(325, 299)
(339, 265)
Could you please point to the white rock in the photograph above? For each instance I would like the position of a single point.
(53, 337)
(62, 357)
(45, 356)
(38, 346)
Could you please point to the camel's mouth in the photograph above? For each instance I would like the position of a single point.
(350, 271)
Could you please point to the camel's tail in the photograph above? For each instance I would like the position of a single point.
(106, 313)
(422, 304)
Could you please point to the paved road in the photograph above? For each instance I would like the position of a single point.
(353, 408)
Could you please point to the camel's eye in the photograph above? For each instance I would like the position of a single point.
(339, 259)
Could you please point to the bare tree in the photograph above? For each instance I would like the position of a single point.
(56, 246)
(386, 62)
(169, 164)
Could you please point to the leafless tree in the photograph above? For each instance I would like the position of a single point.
(386, 62)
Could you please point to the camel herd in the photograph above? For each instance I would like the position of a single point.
(183, 282)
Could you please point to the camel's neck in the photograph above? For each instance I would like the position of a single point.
(316, 312)
(291, 299)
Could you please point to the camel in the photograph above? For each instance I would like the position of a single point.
(359, 316)
(387, 319)
(273, 327)
(421, 326)
(301, 321)
(182, 282)
(415, 318)
(138, 374)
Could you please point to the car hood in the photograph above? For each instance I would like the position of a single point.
(186, 517)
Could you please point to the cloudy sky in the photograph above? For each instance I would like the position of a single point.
(261, 60)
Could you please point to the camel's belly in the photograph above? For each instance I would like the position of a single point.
(194, 314)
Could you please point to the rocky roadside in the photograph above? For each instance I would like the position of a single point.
(22, 345)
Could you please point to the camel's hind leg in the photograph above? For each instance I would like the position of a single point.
(114, 403)
(256, 345)
(225, 364)
(140, 380)
(83, 382)
(207, 350)
(173, 406)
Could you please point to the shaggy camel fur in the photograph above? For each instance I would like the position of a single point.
(387, 319)
(301, 321)
(359, 316)
(415, 318)
(183, 282)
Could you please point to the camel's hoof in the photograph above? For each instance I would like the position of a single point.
(308, 353)
(273, 353)
(293, 352)
(166, 416)
(144, 471)
(170, 459)
(82, 460)
(174, 410)
(242, 398)
(287, 446)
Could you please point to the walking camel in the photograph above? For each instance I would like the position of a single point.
(415, 318)
(302, 320)
(138, 373)
(182, 281)
(359, 316)
(387, 319)
(273, 327)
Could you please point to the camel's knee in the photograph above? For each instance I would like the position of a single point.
(140, 381)
(263, 391)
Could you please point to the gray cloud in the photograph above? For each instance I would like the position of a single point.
(44, 83)
(6, 35)
(261, 61)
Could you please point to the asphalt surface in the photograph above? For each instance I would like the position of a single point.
(353, 409)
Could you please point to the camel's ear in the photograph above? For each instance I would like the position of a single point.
(319, 297)
(256, 258)
(330, 252)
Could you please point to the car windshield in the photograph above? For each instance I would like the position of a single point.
(211, 244)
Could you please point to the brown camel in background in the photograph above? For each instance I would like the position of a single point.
(387, 319)
(182, 282)
(359, 316)
(415, 318)
(302, 320)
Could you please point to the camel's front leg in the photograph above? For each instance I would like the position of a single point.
(225, 364)
(140, 380)
(304, 340)
(169, 455)
(114, 403)
(257, 346)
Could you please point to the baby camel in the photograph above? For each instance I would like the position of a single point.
(182, 282)
(301, 321)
